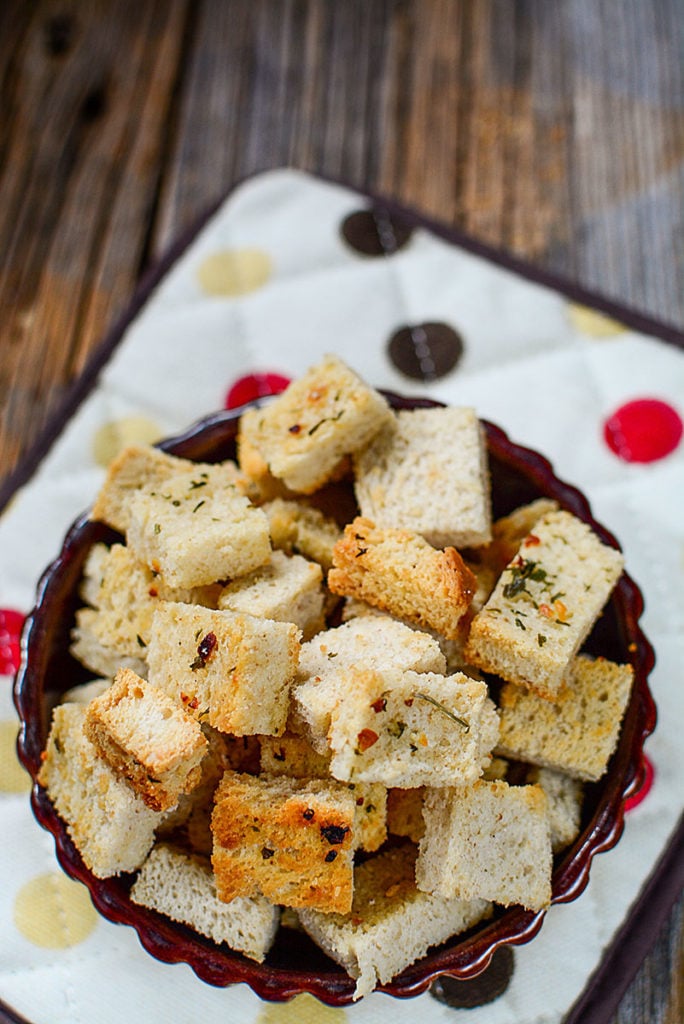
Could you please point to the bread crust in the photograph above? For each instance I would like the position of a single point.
(399, 572)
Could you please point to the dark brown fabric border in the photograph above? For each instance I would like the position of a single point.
(636, 936)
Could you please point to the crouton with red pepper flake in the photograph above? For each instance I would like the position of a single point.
(409, 729)
(373, 643)
(544, 605)
(303, 435)
(291, 840)
(234, 671)
(294, 756)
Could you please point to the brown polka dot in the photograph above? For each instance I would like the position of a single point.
(425, 351)
(485, 988)
(375, 232)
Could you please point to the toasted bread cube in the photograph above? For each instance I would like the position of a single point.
(428, 473)
(125, 593)
(140, 467)
(321, 680)
(109, 823)
(181, 886)
(197, 528)
(391, 924)
(291, 840)
(579, 732)
(399, 572)
(263, 486)
(304, 433)
(297, 528)
(286, 588)
(405, 813)
(234, 671)
(564, 800)
(294, 756)
(97, 653)
(407, 729)
(405, 806)
(489, 841)
(509, 531)
(147, 738)
(453, 650)
(380, 642)
(83, 693)
(189, 823)
(544, 605)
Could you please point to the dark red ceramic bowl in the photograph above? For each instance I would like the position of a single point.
(295, 964)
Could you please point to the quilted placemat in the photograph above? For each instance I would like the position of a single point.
(287, 269)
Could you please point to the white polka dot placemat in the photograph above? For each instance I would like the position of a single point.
(287, 269)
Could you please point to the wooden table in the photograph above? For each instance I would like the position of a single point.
(551, 128)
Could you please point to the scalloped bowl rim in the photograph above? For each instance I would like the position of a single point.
(463, 957)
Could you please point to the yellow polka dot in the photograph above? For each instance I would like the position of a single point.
(591, 322)
(303, 1009)
(234, 272)
(54, 912)
(13, 777)
(114, 436)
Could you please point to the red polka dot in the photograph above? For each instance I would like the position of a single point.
(643, 430)
(255, 385)
(11, 624)
(635, 799)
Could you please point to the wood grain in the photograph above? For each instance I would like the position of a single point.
(554, 130)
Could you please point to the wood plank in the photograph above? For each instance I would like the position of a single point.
(77, 189)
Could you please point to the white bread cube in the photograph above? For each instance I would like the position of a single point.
(125, 593)
(488, 841)
(301, 529)
(292, 840)
(197, 528)
(304, 433)
(407, 729)
(400, 573)
(109, 823)
(578, 733)
(233, 671)
(286, 588)
(97, 653)
(147, 738)
(564, 801)
(405, 813)
(181, 886)
(140, 467)
(391, 923)
(380, 642)
(544, 605)
(428, 473)
(508, 532)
